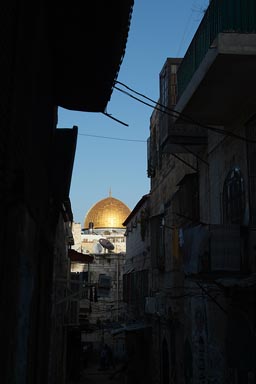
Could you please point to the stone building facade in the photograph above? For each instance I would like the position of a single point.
(201, 154)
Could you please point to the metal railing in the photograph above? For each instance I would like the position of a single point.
(230, 16)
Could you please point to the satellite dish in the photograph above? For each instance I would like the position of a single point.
(106, 244)
(97, 248)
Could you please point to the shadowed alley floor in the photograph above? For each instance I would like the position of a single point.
(92, 375)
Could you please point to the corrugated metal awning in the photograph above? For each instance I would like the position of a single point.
(88, 45)
(79, 257)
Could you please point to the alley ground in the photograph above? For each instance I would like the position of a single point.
(92, 375)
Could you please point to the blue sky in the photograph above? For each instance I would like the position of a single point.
(109, 155)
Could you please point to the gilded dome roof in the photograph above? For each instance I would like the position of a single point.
(107, 213)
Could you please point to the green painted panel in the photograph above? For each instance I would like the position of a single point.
(221, 16)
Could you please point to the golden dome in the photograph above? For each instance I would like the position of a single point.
(107, 213)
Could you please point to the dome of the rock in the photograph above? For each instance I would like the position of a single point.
(107, 213)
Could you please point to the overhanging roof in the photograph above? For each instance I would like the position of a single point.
(79, 257)
(64, 153)
(89, 42)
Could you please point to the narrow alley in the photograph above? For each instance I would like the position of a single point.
(155, 283)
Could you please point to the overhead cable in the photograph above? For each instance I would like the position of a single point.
(174, 113)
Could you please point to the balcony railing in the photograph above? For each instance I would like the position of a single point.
(181, 138)
(228, 16)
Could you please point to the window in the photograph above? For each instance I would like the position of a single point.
(157, 242)
(135, 288)
(187, 201)
(233, 197)
(174, 68)
(164, 88)
(104, 281)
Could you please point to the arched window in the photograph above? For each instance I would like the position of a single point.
(233, 197)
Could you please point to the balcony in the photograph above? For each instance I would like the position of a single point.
(217, 75)
(181, 138)
(174, 138)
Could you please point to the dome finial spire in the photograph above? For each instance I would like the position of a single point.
(110, 192)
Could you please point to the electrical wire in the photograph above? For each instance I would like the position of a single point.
(159, 109)
(212, 298)
(184, 161)
(174, 113)
(112, 138)
(113, 118)
(195, 154)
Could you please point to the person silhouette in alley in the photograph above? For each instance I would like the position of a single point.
(110, 357)
(122, 370)
(103, 358)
